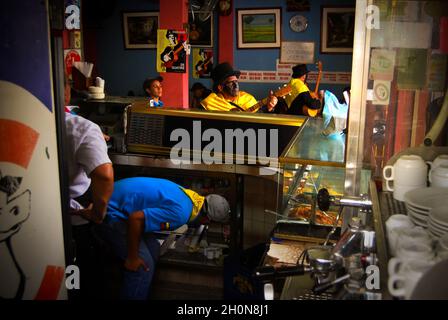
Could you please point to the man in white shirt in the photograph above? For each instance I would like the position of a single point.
(88, 166)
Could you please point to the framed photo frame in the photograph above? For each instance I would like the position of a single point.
(338, 25)
(200, 32)
(259, 28)
(140, 30)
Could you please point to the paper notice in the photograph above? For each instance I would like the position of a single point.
(382, 65)
(381, 92)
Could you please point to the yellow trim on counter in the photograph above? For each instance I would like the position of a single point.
(267, 118)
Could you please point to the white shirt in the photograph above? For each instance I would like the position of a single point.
(86, 150)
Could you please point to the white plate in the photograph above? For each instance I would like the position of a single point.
(436, 229)
(437, 224)
(416, 209)
(434, 234)
(427, 198)
(418, 222)
(418, 215)
(440, 215)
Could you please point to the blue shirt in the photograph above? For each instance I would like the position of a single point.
(164, 203)
(156, 103)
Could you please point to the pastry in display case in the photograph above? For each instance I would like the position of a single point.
(300, 189)
(312, 161)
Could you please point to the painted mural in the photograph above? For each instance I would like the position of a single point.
(31, 235)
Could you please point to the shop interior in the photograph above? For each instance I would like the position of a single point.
(347, 204)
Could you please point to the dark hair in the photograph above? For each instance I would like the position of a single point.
(170, 33)
(149, 81)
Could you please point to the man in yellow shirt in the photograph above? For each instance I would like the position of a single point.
(300, 94)
(227, 95)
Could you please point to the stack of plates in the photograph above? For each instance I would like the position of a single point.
(419, 203)
(438, 222)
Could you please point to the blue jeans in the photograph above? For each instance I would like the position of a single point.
(136, 285)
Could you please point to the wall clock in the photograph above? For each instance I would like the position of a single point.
(298, 23)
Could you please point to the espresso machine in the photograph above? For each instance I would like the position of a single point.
(341, 268)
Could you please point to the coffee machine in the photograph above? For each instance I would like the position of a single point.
(339, 268)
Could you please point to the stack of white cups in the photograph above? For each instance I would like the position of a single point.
(408, 173)
(412, 248)
(97, 91)
(438, 175)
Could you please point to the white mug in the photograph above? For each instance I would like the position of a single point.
(414, 250)
(398, 221)
(394, 224)
(398, 265)
(414, 235)
(442, 159)
(438, 176)
(403, 283)
(408, 173)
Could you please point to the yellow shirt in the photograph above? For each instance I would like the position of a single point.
(217, 102)
(197, 200)
(297, 87)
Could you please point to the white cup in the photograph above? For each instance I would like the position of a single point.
(398, 265)
(398, 221)
(408, 173)
(414, 235)
(394, 224)
(414, 251)
(438, 176)
(402, 284)
(442, 159)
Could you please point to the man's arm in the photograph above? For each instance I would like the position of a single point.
(102, 187)
(136, 226)
(272, 101)
(310, 101)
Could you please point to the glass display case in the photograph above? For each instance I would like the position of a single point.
(312, 161)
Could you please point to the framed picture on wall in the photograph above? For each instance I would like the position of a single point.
(200, 29)
(140, 30)
(259, 28)
(338, 25)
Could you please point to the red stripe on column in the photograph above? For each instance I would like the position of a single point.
(17, 142)
(173, 15)
(226, 30)
(51, 283)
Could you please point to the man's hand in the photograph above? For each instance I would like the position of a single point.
(314, 95)
(133, 264)
(186, 47)
(88, 214)
(272, 101)
(166, 58)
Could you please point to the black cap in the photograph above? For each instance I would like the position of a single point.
(223, 71)
(299, 70)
